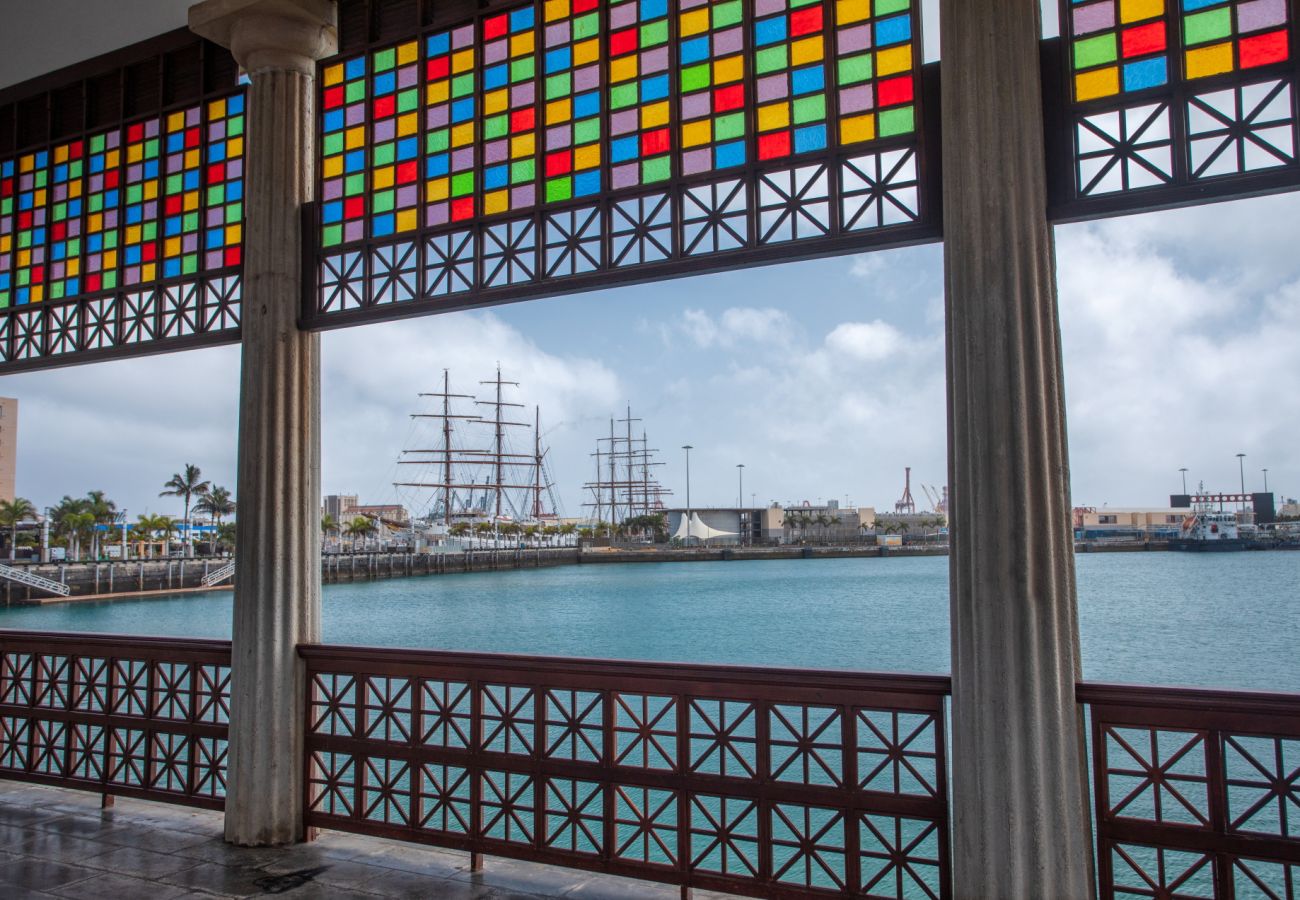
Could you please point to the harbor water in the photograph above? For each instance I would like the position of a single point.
(1227, 620)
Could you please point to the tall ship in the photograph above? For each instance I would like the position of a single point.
(474, 465)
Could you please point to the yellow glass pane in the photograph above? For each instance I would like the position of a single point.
(1137, 10)
(462, 135)
(408, 53)
(496, 101)
(695, 22)
(894, 60)
(438, 92)
(556, 9)
(847, 11)
(462, 60)
(559, 111)
(696, 133)
(522, 44)
(655, 115)
(496, 202)
(333, 74)
(856, 129)
(728, 70)
(437, 189)
(407, 125)
(808, 50)
(623, 68)
(587, 157)
(586, 52)
(234, 234)
(383, 178)
(1205, 61)
(773, 117)
(333, 166)
(523, 145)
(1098, 83)
(406, 220)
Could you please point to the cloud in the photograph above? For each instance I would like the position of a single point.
(736, 325)
(866, 341)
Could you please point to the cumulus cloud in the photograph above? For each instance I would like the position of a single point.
(867, 341)
(736, 325)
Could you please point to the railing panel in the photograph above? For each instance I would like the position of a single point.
(128, 716)
(764, 782)
(1197, 793)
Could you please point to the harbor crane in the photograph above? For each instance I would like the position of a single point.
(905, 503)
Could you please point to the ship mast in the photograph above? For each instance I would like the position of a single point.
(499, 425)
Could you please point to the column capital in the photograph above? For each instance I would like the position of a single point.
(264, 35)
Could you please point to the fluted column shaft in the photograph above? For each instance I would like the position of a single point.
(278, 564)
(1019, 789)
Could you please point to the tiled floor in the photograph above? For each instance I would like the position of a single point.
(57, 843)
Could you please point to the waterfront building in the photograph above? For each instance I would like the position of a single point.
(1127, 523)
(336, 504)
(393, 514)
(8, 447)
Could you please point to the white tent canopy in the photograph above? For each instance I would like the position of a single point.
(698, 530)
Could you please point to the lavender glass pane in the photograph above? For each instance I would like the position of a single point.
(523, 94)
(524, 195)
(623, 121)
(769, 7)
(437, 214)
(217, 130)
(696, 105)
(151, 209)
(855, 39)
(214, 259)
(1260, 14)
(74, 227)
(496, 151)
(622, 15)
(190, 242)
(587, 78)
(407, 196)
(176, 162)
(856, 99)
(557, 33)
(729, 41)
(356, 114)
(558, 137)
(655, 60)
(694, 161)
(354, 231)
(407, 77)
(625, 176)
(60, 192)
(1094, 17)
(773, 87)
(463, 36)
(385, 130)
(216, 216)
(191, 117)
(495, 52)
(235, 168)
(439, 116)
(110, 219)
(462, 159)
(134, 172)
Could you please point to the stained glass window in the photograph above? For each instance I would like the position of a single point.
(875, 69)
(711, 84)
(31, 223)
(8, 203)
(640, 139)
(181, 193)
(509, 111)
(223, 228)
(571, 73)
(395, 114)
(140, 215)
(67, 190)
(1119, 46)
(789, 62)
(450, 121)
(103, 208)
(343, 148)
(1223, 36)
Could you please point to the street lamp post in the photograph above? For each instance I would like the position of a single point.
(1265, 471)
(688, 448)
(740, 498)
(1184, 471)
(1241, 464)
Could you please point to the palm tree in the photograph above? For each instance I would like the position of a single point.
(568, 528)
(329, 525)
(360, 527)
(458, 529)
(165, 527)
(79, 525)
(217, 504)
(11, 513)
(226, 535)
(105, 513)
(62, 519)
(143, 532)
(188, 485)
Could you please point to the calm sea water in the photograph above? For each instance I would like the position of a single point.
(1224, 620)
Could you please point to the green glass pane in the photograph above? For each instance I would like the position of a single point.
(496, 127)
(885, 7)
(728, 127)
(725, 14)
(24, 277)
(190, 222)
(558, 86)
(354, 185)
(56, 290)
(234, 212)
(190, 265)
(656, 33)
(150, 231)
(522, 69)
(462, 85)
(74, 246)
(74, 169)
(855, 69)
(586, 26)
(24, 240)
(1094, 51)
(622, 96)
(42, 178)
(355, 92)
(1213, 25)
(695, 78)
(586, 131)
(110, 279)
(522, 171)
(437, 141)
(462, 184)
(795, 4)
(895, 121)
(385, 59)
(235, 127)
(175, 184)
(333, 143)
(60, 212)
(97, 143)
(96, 203)
(810, 109)
(134, 193)
(151, 148)
(559, 189)
(110, 240)
(772, 59)
(659, 169)
(332, 234)
(385, 153)
(408, 101)
(384, 201)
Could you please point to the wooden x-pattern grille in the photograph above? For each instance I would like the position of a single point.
(136, 717)
(759, 781)
(1197, 793)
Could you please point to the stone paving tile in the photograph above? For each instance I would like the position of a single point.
(225, 881)
(112, 886)
(531, 878)
(134, 861)
(39, 874)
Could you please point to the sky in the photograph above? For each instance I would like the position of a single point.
(1181, 336)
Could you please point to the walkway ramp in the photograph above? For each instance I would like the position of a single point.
(216, 576)
(31, 579)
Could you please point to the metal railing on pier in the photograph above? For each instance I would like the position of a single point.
(22, 576)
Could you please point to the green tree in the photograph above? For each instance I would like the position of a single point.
(105, 513)
(226, 536)
(188, 485)
(360, 527)
(568, 528)
(11, 513)
(217, 504)
(329, 525)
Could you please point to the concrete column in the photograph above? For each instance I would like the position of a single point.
(1019, 789)
(277, 574)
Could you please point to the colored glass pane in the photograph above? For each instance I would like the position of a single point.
(224, 183)
(711, 58)
(1117, 46)
(875, 69)
(572, 84)
(395, 150)
(30, 226)
(343, 152)
(509, 96)
(103, 207)
(789, 62)
(640, 89)
(1221, 36)
(182, 192)
(143, 173)
(8, 203)
(450, 126)
(67, 196)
